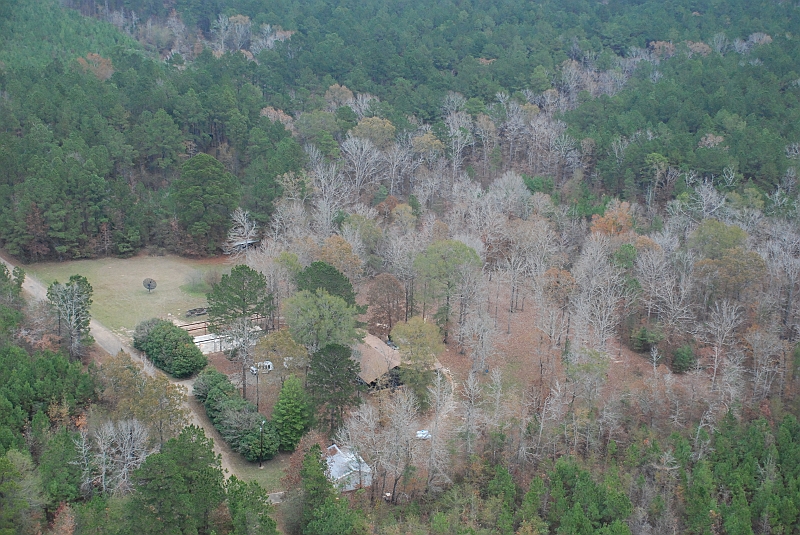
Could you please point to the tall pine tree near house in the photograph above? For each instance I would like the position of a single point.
(292, 413)
(333, 382)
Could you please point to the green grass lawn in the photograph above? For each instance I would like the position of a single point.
(120, 299)
(121, 302)
(268, 477)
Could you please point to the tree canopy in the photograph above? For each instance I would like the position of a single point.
(333, 382)
(292, 413)
(241, 294)
(204, 196)
(319, 319)
(323, 275)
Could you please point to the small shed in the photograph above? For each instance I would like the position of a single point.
(243, 244)
(347, 470)
(211, 343)
(214, 343)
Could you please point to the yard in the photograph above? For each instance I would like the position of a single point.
(120, 299)
(268, 477)
(120, 302)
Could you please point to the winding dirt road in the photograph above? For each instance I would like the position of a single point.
(113, 344)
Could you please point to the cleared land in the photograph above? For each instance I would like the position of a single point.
(120, 300)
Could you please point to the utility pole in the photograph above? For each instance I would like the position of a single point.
(261, 445)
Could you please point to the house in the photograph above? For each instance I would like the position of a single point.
(347, 470)
(376, 359)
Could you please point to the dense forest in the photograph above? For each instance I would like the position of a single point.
(615, 99)
(577, 223)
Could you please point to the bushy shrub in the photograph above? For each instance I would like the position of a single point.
(169, 347)
(142, 331)
(236, 419)
(206, 381)
(645, 337)
(683, 359)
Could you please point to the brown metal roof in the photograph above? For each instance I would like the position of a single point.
(376, 358)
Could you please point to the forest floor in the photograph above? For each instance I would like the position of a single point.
(528, 363)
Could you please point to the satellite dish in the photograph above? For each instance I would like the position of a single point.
(150, 284)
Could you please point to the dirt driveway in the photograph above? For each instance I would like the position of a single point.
(112, 345)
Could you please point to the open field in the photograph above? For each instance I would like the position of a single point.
(120, 300)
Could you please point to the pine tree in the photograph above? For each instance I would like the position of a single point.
(250, 507)
(72, 301)
(317, 489)
(179, 488)
(332, 381)
(325, 276)
(292, 413)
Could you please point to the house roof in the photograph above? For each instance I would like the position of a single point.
(376, 358)
(341, 462)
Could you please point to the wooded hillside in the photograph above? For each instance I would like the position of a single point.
(611, 99)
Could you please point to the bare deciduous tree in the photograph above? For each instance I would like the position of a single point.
(362, 162)
(477, 335)
(459, 130)
(513, 126)
(399, 253)
(401, 445)
(510, 195)
(331, 194)
(363, 436)
(549, 413)
(783, 259)
(765, 353)
(399, 161)
(85, 461)
(471, 412)
(289, 222)
(486, 131)
(242, 234)
(718, 332)
(240, 31)
(267, 260)
(453, 103)
(220, 29)
(440, 399)
(601, 293)
(120, 448)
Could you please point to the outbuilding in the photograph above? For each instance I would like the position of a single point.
(347, 470)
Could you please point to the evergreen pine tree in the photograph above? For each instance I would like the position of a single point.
(292, 413)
